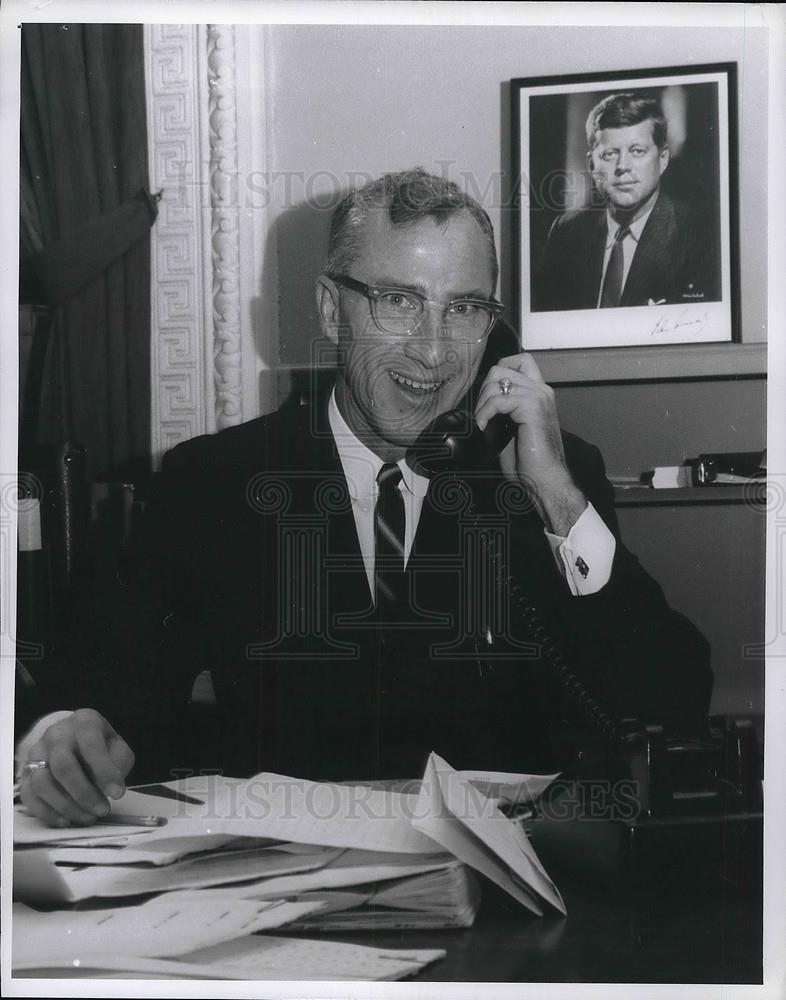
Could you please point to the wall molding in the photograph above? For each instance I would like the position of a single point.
(225, 231)
(198, 341)
(173, 71)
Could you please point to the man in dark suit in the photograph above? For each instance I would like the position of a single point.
(641, 247)
(346, 604)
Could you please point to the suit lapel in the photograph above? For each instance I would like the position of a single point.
(307, 531)
(651, 262)
(328, 496)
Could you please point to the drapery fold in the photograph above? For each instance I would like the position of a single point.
(85, 218)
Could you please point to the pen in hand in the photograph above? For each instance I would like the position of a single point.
(126, 819)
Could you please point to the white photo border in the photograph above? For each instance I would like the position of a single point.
(634, 326)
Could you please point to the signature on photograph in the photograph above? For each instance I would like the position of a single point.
(685, 321)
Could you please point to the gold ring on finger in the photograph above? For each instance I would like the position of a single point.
(35, 765)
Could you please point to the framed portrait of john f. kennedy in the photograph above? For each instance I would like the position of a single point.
(626, 211)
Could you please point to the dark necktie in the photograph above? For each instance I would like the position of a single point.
(388, 541)
(612, 283)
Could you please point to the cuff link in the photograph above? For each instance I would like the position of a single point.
(582, 567)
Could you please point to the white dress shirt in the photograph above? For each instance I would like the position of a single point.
(583, 558)
(629, 245)
(361, 468)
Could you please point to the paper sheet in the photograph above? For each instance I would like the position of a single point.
(29, 830)
(275, 959)
(38, 880)
(455, 814)
(293, 809)
(162, 927)
(200, 786)
(351, 868)
(268, 805)
(509, 788)
(317, 959)
(125, 852)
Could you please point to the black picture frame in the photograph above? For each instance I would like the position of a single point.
(556, 298)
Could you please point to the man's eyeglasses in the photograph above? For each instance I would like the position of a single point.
(399, 312)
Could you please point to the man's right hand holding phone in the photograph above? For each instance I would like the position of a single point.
(69, 773)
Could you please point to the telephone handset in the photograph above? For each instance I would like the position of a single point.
(454, 440)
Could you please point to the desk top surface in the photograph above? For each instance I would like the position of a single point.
(650, 934)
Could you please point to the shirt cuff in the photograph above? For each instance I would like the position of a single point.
(584, 558)
(33, 735)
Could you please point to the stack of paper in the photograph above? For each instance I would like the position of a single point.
(276, 850)
(444, 897)
(370, 890)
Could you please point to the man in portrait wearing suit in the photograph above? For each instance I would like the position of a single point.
(345, 601)
(641, 246)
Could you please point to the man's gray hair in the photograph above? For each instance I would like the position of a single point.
(408, 197)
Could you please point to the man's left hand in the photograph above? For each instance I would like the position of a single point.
(536, 456)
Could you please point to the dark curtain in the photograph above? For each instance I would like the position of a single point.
(85, 252)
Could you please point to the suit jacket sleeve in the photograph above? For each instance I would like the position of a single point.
(636, 655)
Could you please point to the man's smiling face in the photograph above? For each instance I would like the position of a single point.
(389, 389)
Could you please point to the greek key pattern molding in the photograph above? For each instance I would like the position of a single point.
(172, 72)
(195, 245)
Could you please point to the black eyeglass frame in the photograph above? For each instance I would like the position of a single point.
(374, 292)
